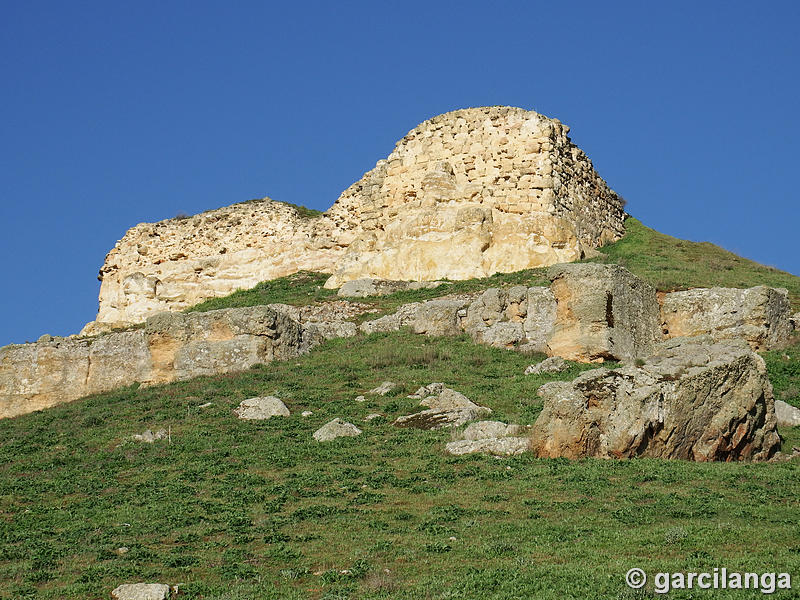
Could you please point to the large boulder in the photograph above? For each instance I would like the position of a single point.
(759, 315)
(336, 429)
(259, 409)
(489, 437)
(602, 312)
(787, 415)
(445, 408)
(694, 399)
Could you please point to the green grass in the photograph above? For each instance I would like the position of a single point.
(298, 289)
(671, 264)
(784, 373)
(665, 262)
(305, 287)
(238, 510)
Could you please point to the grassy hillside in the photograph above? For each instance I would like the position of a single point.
(305, 287)
(236, 510)
(667, 263)
(671, 264)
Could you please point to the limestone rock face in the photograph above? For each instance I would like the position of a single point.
(171, 346)
(694, 399)
(760, 315)
(466, 194)
(602, 311)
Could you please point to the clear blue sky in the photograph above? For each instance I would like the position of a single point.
(117, 113)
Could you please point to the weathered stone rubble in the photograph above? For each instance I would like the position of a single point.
(490, 437)
(445, 408)
(759, 315)
(141, 591)
(171, 346)
(363, 288)
(262, 408)
(465, 194)
(148, 437)
(694, 399)
(554, 364)
(335, 429)
(514, 317)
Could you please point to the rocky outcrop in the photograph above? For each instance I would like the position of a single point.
(514, 317)
(171, 346)
(594, 312)
(602, 312)
(442, 316)
(759, 315)
(590, 312)
(694, 399)
(465, 194)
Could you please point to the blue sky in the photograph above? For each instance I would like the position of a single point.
(118, 113)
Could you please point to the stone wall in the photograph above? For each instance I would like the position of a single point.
(475, 192)
(466, 194)
(174, 264)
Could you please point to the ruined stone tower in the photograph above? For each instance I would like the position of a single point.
(466, 194)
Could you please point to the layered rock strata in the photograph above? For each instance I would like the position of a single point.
(466, 194)
(171, 346)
